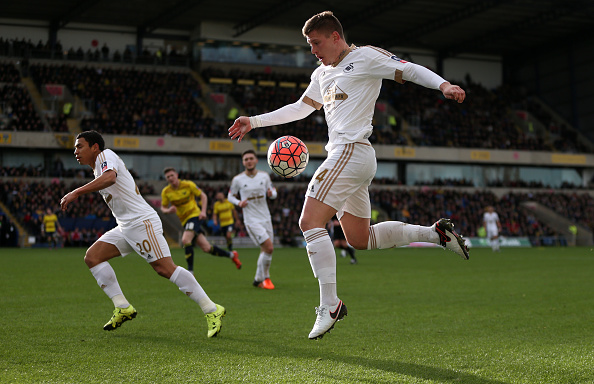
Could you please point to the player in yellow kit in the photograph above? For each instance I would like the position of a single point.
(50, 227)
(225, 215)
(179, 197)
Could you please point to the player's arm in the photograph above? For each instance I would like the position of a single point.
(203, 205)
(429, 79)
(291, 112)
(166, 207)
(231, 196)
(107, 179)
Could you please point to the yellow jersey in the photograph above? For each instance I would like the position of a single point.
(184, 199)
(49, 223)
(224, 209)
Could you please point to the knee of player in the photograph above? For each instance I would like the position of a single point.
(305, 224)
(161, 270)
(91, 259)
(360, 241)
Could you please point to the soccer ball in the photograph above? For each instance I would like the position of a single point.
(287, 156)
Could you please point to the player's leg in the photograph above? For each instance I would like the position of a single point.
(187, 241)
(214, 250)
(154, 249)
(111, 244)
(495, 240)
(322, 259)
(345, 170)
(390, 234)
(261, 234)
(264, 262)
(349, 250)
(229, 237)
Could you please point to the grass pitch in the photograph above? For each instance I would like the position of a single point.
(415, 316)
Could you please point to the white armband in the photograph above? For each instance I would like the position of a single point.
(422, 76)
(286, 114)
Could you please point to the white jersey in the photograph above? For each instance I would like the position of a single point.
(123, 198)
(349, 90)
(254, 190)
(490, 219)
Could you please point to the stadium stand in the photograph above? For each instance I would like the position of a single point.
(149, 101)
(90, 216)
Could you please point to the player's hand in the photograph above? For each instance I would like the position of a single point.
(67, 199)
(240, 127)
(453, 92)
(269, 192)
(202, 216)
(243, 203)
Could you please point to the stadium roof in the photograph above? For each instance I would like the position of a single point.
(449, 27)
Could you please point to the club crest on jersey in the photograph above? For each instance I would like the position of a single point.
(349, 68)
(394, 57)
(104, 166)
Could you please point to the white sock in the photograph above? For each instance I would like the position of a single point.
(322, 258)
(259, 269)
(106, 278)
(263, 271)
(188, 284)
(390, 234)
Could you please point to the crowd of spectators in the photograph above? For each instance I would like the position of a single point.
(17, 112)
(8, 232)
(26, 48)
(530, 184)
(448, 182)
(39, 171)
(132, 101)
(27, 201)
(84, 221)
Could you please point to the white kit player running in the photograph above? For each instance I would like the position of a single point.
(492, 226)
(347, 85)
(139, 230)
(253, 187)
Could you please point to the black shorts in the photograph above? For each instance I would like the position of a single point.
(194, 224)
(227, 228)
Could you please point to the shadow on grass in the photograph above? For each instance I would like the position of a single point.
(419, 371)
(252, 347)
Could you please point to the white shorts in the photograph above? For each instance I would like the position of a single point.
(343, 179)
(145, 238)
(260, 232)
(492, 231)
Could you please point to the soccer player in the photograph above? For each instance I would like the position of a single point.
(224, 215)
(50, 227)
(180, 197)
(139, 229)
(339, 240)
(253, 187)
(347, 85)
(493, 227)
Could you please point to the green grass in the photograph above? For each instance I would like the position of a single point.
(415, 316)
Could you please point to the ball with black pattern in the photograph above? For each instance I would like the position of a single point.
(288, 156)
